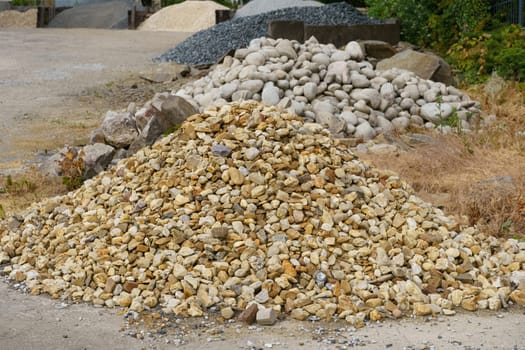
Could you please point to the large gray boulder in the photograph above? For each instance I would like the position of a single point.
(96, 158)
(378, 49)
(424, 65)
(167, 113)
(119, 129)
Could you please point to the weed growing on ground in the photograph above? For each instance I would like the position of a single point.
(73, 168)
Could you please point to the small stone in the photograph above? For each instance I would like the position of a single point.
(249, 315)
(251, 153)
(262, 297)
(227, 313)
(236, 177)
(469, 304)
(266, 316)
(221, 150)
(422, 310)
(124, 300)
(299, 314)
(518, 296)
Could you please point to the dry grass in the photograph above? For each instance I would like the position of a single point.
(453, 170)
(17, 192)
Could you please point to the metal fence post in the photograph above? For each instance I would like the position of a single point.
(520, 12)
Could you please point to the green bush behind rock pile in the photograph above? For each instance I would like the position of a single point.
(475, 42)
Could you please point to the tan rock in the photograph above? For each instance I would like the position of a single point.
(518, 296)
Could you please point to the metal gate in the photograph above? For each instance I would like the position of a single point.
(512, 11)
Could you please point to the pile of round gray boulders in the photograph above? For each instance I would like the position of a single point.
(337, 88)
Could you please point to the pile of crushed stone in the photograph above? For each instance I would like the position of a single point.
(256, 7)
(248, 205)
(17, 19)
(210, 45)
(189, 16)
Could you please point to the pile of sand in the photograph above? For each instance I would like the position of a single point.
(189, 16)
(16, 19)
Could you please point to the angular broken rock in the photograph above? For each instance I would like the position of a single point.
(119, 129)
(96, 158)
(424, 65)
(171, 111)
(378, 49)
(249, 315)
(266, 316)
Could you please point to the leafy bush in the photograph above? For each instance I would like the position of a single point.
(455, 19)
(413, 14)
(24, 3)
(511, 63)
(478, 55)
(432, 22)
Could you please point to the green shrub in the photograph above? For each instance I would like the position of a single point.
(432, 22)
(24, 3)
(455, 19)
(511, 63)
(413, 14)
(478, 55)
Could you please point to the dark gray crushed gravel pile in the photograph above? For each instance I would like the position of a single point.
(210, 45)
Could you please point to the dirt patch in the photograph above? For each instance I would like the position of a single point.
(56, 84)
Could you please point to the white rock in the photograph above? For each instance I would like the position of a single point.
(401, 123)
(321, 59)
(355, 51)
(270, 94)
(365, 131)
(253, 86)
(359, 81)
(436, 112)
(339, 55)
(349, 117)
(370, 95)
(310, 91)
(255, 58)
(285, 48)
(227, 90)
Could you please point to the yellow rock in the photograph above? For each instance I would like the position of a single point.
(518, 296)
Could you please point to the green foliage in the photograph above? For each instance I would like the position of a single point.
(432, 22)
(413, 14)
(171, 130)
(455, 19)
(511, 63)
(226, 3)
(24, 3)
(479, 54)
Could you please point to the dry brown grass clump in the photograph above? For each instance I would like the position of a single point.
(478, 177)
(19, 191)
